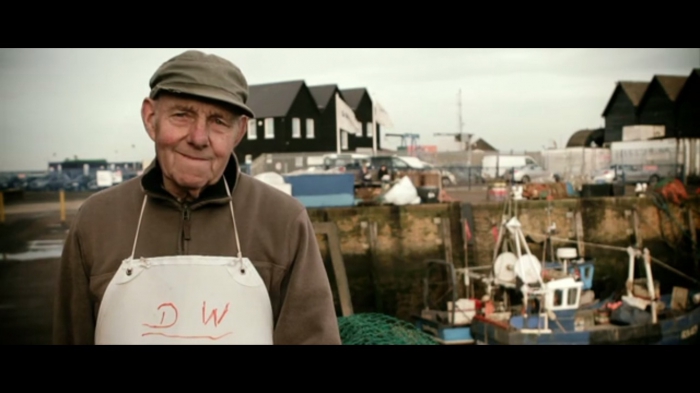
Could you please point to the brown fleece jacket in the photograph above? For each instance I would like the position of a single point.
(275, 232)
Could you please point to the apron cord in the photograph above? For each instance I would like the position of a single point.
(138, 227)
(235, 229)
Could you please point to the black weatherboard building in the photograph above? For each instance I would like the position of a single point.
(292, 117)
(359, 100)
(324, 96)
(286, 121)
(688, 107)
(672, 101)
(621, 109)
(658, 105)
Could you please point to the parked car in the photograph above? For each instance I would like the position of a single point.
(6, 182)
(347, 161)
(38, 183)
(79, 183)
(59, 181)
(396, 163)
(353, 163)
(12, 182)
(53, 181)
(631, 174)
(529, 173)
(448, 178)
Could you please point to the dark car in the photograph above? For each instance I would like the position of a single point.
(38, 183)
(12, 182)
(5, 182)
(80, 182)
(58, 181)
(53, 181)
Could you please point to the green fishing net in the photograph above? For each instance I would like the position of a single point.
(380, 329)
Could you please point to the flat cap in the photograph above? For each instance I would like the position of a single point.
(203, 75)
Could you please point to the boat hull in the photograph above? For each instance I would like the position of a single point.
(680, 330)
(445, 334)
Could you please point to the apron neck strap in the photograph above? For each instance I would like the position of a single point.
(138, 227)
(233, 217)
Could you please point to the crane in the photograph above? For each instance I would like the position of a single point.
(404, 137)
(461, 136)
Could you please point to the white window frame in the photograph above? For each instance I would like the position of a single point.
(369, 130)
(270, 128)
(296, 128)
(252, 130)
(310, 131)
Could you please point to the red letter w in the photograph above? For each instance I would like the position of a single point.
(213, 314)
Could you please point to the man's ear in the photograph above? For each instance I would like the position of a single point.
(243, 129)
(148, 116)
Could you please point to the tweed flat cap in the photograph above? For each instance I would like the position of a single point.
(203, 75)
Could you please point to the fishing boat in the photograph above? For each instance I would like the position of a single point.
(552, 311)
(450, 325)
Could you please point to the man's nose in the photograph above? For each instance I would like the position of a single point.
(199, 133)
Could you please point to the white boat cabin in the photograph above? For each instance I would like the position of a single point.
(563, 294)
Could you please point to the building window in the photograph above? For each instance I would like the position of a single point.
(369, 130)
(299, 162)
(310, 129)
(252, 131)
(270, 128)
(296, 128)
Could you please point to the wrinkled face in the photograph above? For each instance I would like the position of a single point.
(194, 139)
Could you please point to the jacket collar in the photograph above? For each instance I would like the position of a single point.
(152, 184)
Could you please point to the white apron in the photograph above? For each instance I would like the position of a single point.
(188, 299)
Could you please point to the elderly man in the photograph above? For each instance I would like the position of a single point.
(193, 251)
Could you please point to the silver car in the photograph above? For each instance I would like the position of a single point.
(529, 173)
(632, 174)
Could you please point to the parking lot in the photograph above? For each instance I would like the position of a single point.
(30, 246)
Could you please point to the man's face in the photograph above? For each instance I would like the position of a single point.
(194, 139)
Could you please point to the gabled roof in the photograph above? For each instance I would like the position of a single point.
(694, 75)
(480, 144)
(671, 84)
(273, 99)
(323, 93)
(634, 90)
(354, 96)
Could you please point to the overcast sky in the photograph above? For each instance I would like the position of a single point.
(59, 103)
